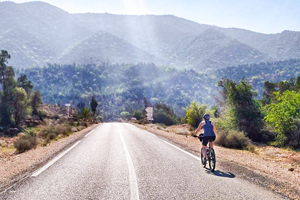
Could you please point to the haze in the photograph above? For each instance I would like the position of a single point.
(267, 16)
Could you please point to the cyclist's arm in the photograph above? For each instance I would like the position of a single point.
(199, 128)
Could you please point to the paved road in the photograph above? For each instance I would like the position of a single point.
(120, 161)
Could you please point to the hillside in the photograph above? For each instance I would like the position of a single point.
(37, 33)
(120, 88)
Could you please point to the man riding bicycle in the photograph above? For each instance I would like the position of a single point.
(210, 133)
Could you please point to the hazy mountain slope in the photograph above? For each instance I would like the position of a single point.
(25, 49)
(103, 47)
(51, 26)
(158, 35)
(212, 49)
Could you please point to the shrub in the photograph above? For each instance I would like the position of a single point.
(26, 142)
(163, 118)
(138, 115)
(51, 132)
(164, 114)
(125, 115)
(194, 113)
(234, 139)
(42, 115)
(85, 113)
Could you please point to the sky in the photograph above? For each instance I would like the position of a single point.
(263, 16)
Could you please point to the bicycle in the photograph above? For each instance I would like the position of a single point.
(210, 154)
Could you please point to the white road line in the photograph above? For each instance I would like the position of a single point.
(183, 151)
(132, 177)
(91, 132)
(51, 162)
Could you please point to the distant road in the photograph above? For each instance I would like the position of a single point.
(120, 161)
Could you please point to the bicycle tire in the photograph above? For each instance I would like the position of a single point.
(212, 159)
(203, 162)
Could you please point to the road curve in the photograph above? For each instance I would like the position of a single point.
(120, 161)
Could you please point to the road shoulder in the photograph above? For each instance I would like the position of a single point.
(259, 168)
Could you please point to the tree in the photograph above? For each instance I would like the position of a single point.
(164, 114)
(23, 82)
(21, 105)
(8, 84)
(246, 110)
(194, 113)
(36, 101)
(94, 105)
(125, 115)
(283, 114)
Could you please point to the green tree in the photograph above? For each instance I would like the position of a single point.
(164, 114)
(21, 105)
(8, 84)
(94, 104)
(246, 110)
(36, 101)
(194, 113)
(125, 115)
(23, 82)
(283, 114)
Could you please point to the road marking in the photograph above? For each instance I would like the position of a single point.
(91, 132)
(183, 151)
(51, 162)
(132, 177)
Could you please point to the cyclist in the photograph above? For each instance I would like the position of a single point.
(210, 133)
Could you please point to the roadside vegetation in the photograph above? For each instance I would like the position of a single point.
(27, 121)
(241, 118)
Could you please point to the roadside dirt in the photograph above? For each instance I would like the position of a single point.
(274, 168)
(14, 166)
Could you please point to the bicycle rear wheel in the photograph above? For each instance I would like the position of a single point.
(203, 161)
(212, 159)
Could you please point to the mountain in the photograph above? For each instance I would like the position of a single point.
(37, 33)
(213, 49)
(103, 47)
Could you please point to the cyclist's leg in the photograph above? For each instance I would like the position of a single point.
(211, 140)
(204, 146)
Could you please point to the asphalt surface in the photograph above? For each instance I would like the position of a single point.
(120, 161)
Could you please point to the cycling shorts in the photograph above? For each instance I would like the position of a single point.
(207, 139)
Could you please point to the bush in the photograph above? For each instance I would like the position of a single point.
(163, 118)
(164, 114)
(194, 114)
(234, 139)
(42, 115)
(51, 132)
(138, 115)
(26, 142)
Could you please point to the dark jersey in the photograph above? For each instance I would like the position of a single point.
(208, 129)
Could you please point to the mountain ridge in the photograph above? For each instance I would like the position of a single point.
(166, 38)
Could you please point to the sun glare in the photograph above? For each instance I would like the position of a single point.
(135, 7)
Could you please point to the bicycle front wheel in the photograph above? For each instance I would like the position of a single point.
(212, 159)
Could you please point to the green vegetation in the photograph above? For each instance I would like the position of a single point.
(246, 111)
(164, 114)
(194, 113)
(119, 88)
(15, 95)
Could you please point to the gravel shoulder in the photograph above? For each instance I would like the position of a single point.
(274, 168)
(15, 167)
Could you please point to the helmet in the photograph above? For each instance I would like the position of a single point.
(206, 117)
